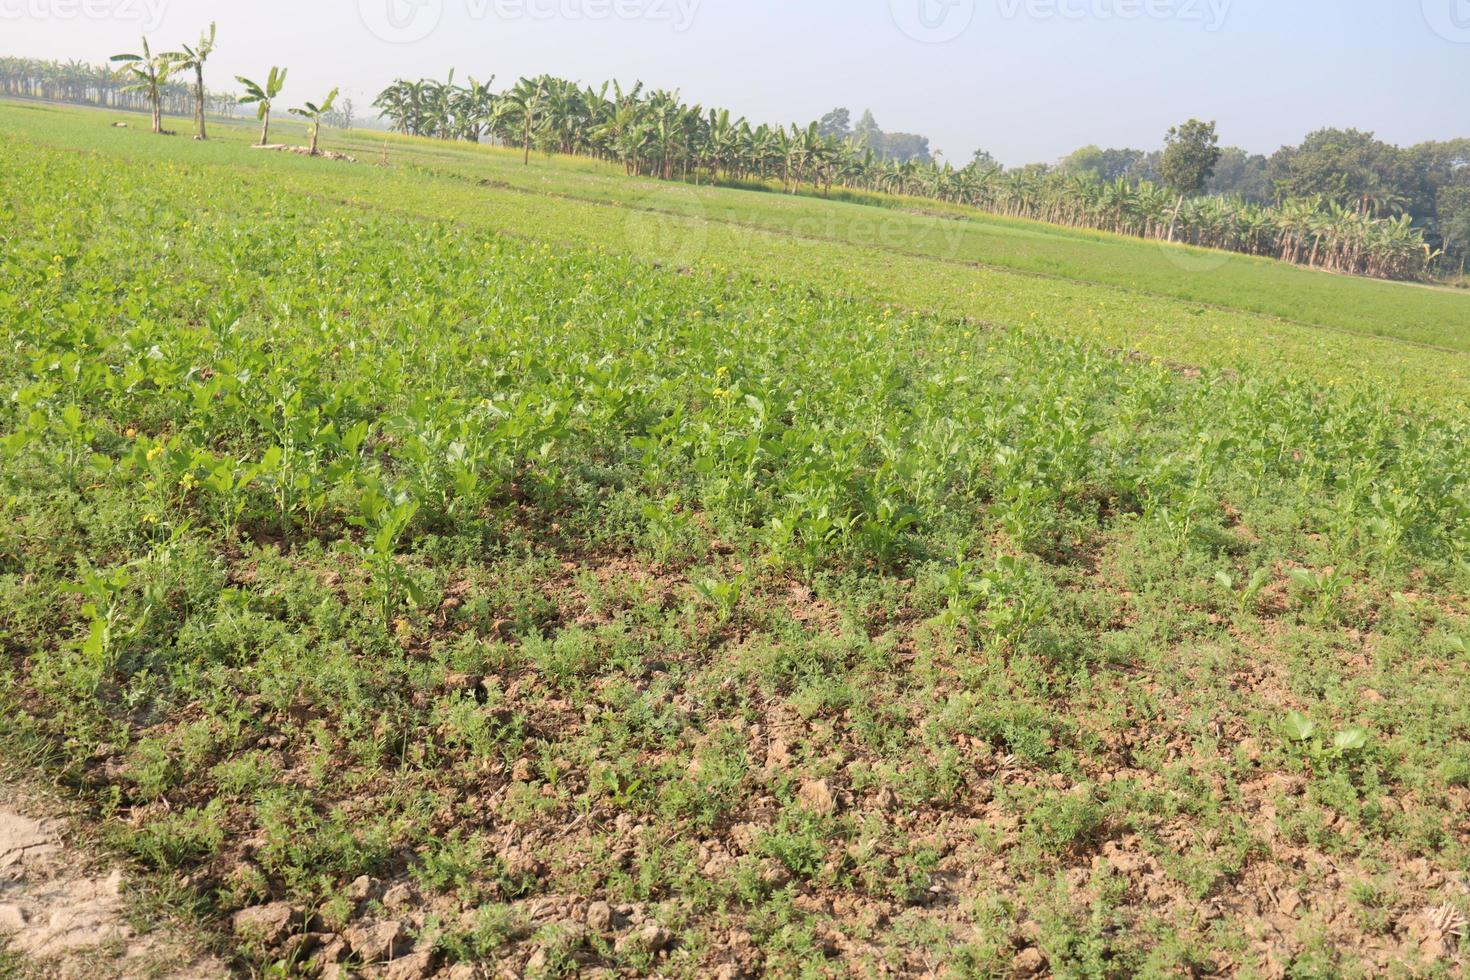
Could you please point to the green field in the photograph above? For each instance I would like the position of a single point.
(1178, 304)
(583, 572)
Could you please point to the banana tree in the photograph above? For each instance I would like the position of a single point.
(262, 96)
(150, 72)
(193, 59)
(521, 109)
(315, 112)
(656, 134)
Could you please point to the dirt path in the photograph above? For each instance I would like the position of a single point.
(63, 912)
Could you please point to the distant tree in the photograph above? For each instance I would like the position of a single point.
(1452, 208)
(866, 133)
(315, 113)
(982, 160)
(263, 96)
(193, 59)
(341, 117)
(897, 147)
(1348, 167)
(1106, 165)
(906, 147)
(1242, 174)
(1191, 151)
(1190, 154)
(836, 125)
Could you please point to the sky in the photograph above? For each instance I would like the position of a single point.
(1027, 80)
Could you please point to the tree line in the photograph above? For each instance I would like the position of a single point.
(81, 83)
(106, 87)
(1345, 169)
(1342, 200)
(1164, 195)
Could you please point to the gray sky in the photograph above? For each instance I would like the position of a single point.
(1029, 80)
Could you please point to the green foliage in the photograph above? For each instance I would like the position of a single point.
(1303, 733)
(1191, 151)
(344, 540)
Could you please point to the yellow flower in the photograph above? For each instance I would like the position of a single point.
(150, 518)
(155, 453)
(131, 433)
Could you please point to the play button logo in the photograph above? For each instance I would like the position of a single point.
(933, 21)
(1450, 19)
(400, 21)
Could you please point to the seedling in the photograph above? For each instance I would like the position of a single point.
(386, 521)
(723, 594)
(1326, 587)
(1304, 733)
(1248, 591)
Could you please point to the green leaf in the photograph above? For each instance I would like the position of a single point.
(1351, 740)
(1299, 728)
(96, 643)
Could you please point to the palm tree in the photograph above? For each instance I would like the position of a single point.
(315, 113)
(151, 72)
(262, 97)
(193, 59)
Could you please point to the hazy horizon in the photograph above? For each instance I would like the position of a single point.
(1027, 80)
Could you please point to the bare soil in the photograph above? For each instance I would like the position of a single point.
(64, 912)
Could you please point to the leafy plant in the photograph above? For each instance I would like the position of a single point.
(263, 97)
(192, 58)
(386, 520)
(151, 72)
(1325, 587)
(723, 594)
(1303, 732)
(315, 113)
(1246, 592)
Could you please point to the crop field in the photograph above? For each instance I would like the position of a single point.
(1173, 303)
(455, 566)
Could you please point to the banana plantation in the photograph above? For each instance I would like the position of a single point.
(655, 134)
(102, 85)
